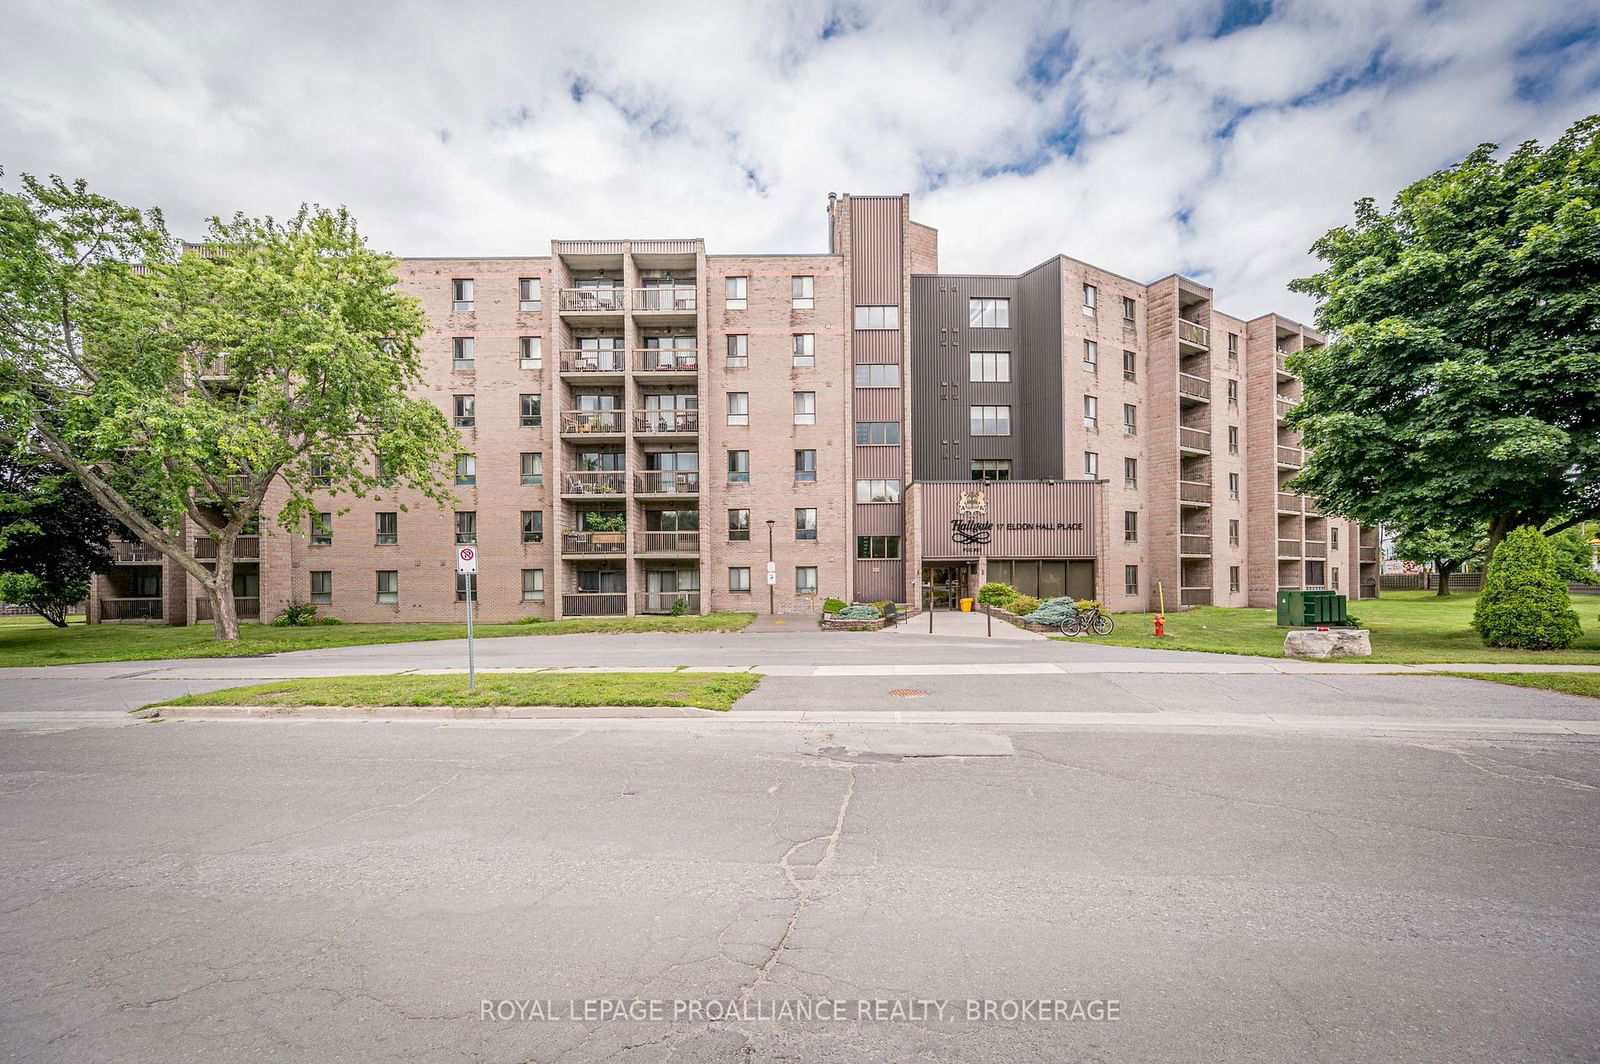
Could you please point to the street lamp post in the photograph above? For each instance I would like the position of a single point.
(772, 594)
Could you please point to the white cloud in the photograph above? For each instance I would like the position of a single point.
(455, 130)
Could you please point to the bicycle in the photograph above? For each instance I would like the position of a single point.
(1088, 620)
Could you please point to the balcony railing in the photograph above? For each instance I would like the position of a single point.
(1289, 548)
(594, 482)
(667, 482)
(1193, 544)
(597, 422)
(594, 300)
(1193, 333)
(1285, 405)
(245, 548)
(664, 297)
(667, 421)
(1281, 361)
(1369, 554)
(1290, 503)
(668, 601)
(667, 543)
(594, 604)
(1194, 491)
(247, 609)
(1194, 387)
(130, 609)
(594, 542)
(135, 554)
(1194, 596)
(590, 360)
(1293, 457)
(1315, 549)
(1194, 439)
(666, 360)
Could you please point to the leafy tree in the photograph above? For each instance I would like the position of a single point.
(180, 384)
(1524, 601)
(1574, 555)
(1446, 551)
(53, 538)
(1462, 382)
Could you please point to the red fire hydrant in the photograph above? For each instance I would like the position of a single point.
(1161, 625)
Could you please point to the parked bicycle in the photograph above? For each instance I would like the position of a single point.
(1088, 620)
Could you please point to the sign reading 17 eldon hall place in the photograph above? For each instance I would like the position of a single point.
(1008, 519)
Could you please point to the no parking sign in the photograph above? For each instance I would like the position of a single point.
(466, 559)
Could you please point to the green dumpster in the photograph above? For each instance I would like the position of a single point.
(1291, 609)
(1310, 609)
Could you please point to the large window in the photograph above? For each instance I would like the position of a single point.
(739, 578)
(872, 548)
(532, 411)
(805, 408)
(989, 313)
(877, 317)
(737, 290)
(877, 491)
(532, 352)
(878, 375)
(869, 433)
(804, 349)
(322, 529)
(991, 420)
(738, 408)
(738, 350)
(462, 348)
(738, 467)
(466, 526)
(533, 467)
(738, 525)
(529, 294)
(321, 587)
(461, 294)
(388, 585)
(805, 522)
(533, 585)
(533, 526)
(466, 469)
(805, 579)
(803, 292)
(465, 407)
(388, 528)
(989, 366)
(991, 469)
(805, 464)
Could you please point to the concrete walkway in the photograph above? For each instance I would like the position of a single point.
(954, 623)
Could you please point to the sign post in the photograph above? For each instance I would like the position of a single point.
(467, 565)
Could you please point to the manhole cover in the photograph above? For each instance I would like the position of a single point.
(907, 692)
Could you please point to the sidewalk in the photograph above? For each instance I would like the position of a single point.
(948, 623)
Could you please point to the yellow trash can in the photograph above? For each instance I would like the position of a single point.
(966, 605)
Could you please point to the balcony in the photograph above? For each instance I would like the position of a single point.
(667, 422)
(1286, 404)
(1194, 493)
(1369, 555)
(1289, 550)
(593, 362)
(1316, 549)
(1194, 334)
(1291, 457)
(1192, 387)
(667, 361)
(130, 609)
(1194, 596)
(1194, 546)
(594, 604)
(594, 543)
(593, 300)
(664, 299)
(134, 554)
(245, 548)
(1194, 441)
(247, 609)
(592, 422)
(667, 543)
(667, 482)
(215, 370)
(594, 482)
(1281, 364)
(1290, 504)
(667, 602)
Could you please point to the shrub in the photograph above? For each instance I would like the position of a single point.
(1022, 604)
(997, 594)
(883, 606)
(296, 615)
(1053, 612)
(680, 606)
(1524, 603)
(1091, 604)
(833, 605)
(863, 612)
(529, 620)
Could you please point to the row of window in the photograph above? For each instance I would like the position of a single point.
(464, 411)
(463, 294)
(996, 420)
(802, 292)
(387, 532)
(1130, 529)
(464, 352)
(1130, 579)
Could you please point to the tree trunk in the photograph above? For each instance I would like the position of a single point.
(224, 611)
(1446, 571)
(54, 614)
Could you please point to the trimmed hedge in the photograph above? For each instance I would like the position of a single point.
(832, 605)
(1022, 605)
(995, 593)
(1524, 601)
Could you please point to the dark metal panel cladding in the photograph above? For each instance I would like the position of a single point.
(878, 463)
(875, 250)
(878, 580)
(1043, 441)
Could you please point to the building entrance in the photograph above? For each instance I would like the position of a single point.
(944, 586)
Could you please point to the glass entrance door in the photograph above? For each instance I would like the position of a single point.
(943, 586)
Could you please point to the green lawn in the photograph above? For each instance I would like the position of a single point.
(697, 689)
(37, 643)
(1567, 683)
(1407, 627)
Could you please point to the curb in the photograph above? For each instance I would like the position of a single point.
(156, 713)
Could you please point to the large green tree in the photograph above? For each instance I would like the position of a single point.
(1447, 551)
(53, 538)
(180, 383)
(1462, 380)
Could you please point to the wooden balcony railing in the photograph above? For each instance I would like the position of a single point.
(667, 543)
(594, 482)
(135, 554)
(248, 609)
(581, 360)
(1292, 457)
(594, 604)
(664, 297)
(1188, 543)
(666, 360)
(245, 548)
(1194, 596)
(1194, 333)
(594, 300)
(1194, 491)
(1194, 439)
(667, 421)
(1369, 554)
(1285, 405)
(1194, 387)
(667, 602)
(1289, 548)
(1281, 361)
(1316, 549)
(1289, 503)
(594, 542)
(130, 609)
(598, 422)
(667, 482)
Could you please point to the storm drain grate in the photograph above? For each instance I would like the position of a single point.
(907, 692)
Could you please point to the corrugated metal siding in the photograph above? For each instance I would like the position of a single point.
(878, 463)
(887, 582)
(877, 345)
(1041, 452)
(1009, 504)
(875, 250)
(878, 404)
(877, 519)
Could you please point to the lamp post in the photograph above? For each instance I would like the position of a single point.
(772, 593)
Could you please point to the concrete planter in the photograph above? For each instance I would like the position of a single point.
(832, 623)
(1015, 619)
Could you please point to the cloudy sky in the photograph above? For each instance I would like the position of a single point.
(1214, 137)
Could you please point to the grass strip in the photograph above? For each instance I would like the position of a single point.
(1566, 683)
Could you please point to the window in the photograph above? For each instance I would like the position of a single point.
(1130, 579)
(805, 408)
(803, 292)
(461, 294)
(1091, 357)
(465, 583)
(1130, 526)
(991, 420)
(322, 529)
(805, 349)
(533, 526)
(872, 433)
(1233, 486)
(1127, 310)
(1090, 298)
(805, 465)
(1130, 473)
(1130, 419)
(805, 523)
(388, 585)
(877, 317)
(738, 578)
(1233, 531)
(1233, 439)
(532, 411)
(1233, 355)
(388, 528)
(465, 411)
(1091, 412)
(878, 375)
(321, 586)
(872, 548)
(1130, 366)
(532, 352)
(529, 295)
(805, 579)
(1091, 464)
(466, 469)
(989, 366)
(738, 350)
(991, 469)
(321, 472)
(466, 526)
(1233, 394)
(1335, 584)
(1315, 573)
(738, 467)
(533, 467)
(463, 349)
(1333, 536)
(989, 313)
(877, 491)
(380, 472)
(1233, 578)
(738, 408)
(738, 525)
(533, 585)
(736, 289)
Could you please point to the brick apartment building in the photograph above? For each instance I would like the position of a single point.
(645, 426)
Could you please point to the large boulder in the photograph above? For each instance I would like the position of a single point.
(1329, 643)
